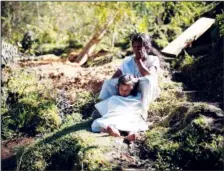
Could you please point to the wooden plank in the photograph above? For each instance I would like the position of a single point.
(188, 36)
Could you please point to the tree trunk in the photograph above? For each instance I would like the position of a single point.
(90, 46)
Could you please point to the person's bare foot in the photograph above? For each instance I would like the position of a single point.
(131, 136)
(113, 132)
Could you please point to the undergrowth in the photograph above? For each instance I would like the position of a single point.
(31, 105)
(192, 140)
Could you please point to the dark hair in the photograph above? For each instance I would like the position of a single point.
(143, 38)
(146, 41)
(129, 80)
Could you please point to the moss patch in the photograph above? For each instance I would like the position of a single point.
(29, 104)
(193, 139)
(70, 148)
(170, 97)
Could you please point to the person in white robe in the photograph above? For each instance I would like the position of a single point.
(140, 65)
(121, 112)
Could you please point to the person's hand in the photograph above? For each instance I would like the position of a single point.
(140, 54)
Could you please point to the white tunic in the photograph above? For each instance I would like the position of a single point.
(129, 66)
(123, 113)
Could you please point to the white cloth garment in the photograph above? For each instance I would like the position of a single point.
(122, 113)
(148, 85)
(129, 66)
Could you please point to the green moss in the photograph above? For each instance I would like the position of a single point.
(71, 119)
(176, 114)
(193, 139)
(38, 156)
(69, 148)
(161, 148)
(201, 109)
(84, 103)
(170, 98)
(186, 61)
(30, 103)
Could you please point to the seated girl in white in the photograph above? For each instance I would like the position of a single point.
(122, 112)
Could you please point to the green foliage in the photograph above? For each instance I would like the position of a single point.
(183, 62)
(29, 105)
(167, 20)
(191, 143)
(219, 20)
(61, 23)
(188, 60)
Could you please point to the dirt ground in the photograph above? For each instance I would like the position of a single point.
(8, 147)
(67, 74)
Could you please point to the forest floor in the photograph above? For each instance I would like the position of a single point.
(73, 78)
(69, 76)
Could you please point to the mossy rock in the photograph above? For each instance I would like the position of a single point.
(171, 96)
(84, 103)
(71, 148)
(31, 105)
(186, 112)
(192, 139)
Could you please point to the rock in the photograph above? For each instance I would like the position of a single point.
(194, 136)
